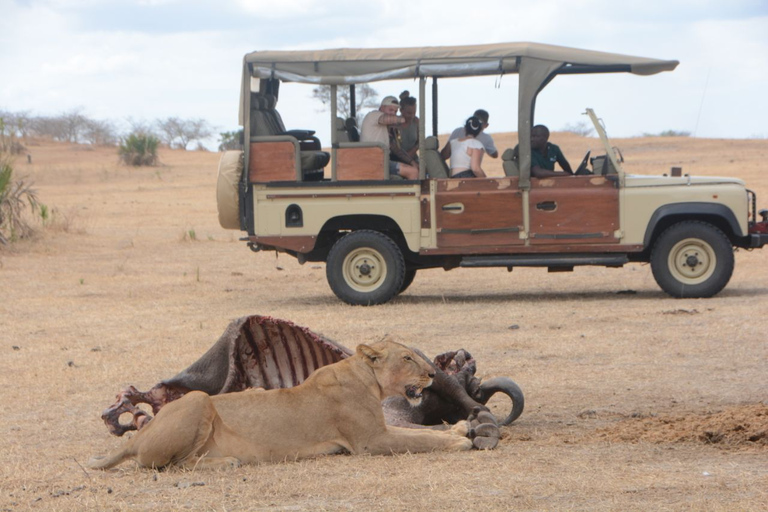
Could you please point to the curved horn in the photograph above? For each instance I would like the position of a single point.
(507, 386)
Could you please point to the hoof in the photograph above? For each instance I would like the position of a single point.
(487, 430)
(485, 443)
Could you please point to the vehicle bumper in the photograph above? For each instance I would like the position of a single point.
(758, 233)
(757, 240)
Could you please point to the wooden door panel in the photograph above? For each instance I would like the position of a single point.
(478, 212)
(573, 210)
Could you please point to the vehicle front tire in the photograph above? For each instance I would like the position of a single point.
(692, 259)
(410, 275)
(365, 268)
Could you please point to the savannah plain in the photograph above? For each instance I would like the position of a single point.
(634, 400)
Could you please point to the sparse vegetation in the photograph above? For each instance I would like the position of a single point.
(669, 133)
(581, 128)
(76, 127)
(188, 236)
(139, 149)
(15, 196)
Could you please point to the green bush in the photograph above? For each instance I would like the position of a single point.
(139, 149)
(14, 195)
(231, 140)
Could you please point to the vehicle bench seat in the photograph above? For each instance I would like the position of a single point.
(266, 121)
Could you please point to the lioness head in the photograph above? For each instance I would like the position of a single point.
(398, 369)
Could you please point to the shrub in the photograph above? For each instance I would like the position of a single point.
(139, 149)
(14, 195)
(231, 140)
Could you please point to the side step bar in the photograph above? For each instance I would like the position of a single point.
(546, 260)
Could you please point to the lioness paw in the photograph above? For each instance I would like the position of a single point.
(460, 429)
(462, 444)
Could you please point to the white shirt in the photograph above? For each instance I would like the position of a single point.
(460, 160)
(483, 137)
(372, 131)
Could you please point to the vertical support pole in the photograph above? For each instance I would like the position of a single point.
(352, 101)
(422, 129)
(334, 132)
(434, 106)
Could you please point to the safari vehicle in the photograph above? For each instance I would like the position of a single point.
(375, 233)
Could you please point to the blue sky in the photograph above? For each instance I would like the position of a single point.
(150, 59)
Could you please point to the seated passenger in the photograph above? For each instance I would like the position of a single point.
(375, 128)
(485, 138)
(409, 131)
(544, 154)
(467, 152)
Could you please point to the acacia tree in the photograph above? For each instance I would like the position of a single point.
(177, 132)
(99, 133)
(365, 97)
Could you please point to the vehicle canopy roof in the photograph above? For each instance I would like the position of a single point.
(535, 63)
(362, 65)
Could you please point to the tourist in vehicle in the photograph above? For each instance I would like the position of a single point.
(544, 154)
(467, 152)
(375, 128)
(409, 131)
(485, 138)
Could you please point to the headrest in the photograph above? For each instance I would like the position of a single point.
(509, 154)
(431, 143)
(257, 101)
(271, 101)
(340, 125)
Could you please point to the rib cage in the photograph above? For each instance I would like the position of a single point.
(271, 354)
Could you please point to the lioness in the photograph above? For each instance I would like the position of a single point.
(338, 408)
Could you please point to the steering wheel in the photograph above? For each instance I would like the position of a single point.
(582, 168)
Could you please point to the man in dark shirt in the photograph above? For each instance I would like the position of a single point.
(544, 154)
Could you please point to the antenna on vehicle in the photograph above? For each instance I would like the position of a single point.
(701, 105)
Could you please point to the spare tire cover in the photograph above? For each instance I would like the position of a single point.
(227, 196)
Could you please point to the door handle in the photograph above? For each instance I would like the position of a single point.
(453, 208)
(547, 206)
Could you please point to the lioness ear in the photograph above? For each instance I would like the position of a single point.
(387, 338)
(369, 353)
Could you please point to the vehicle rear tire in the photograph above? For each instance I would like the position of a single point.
(692, 259)
(365, 268)
(410, 275)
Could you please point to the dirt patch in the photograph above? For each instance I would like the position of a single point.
(743, 426)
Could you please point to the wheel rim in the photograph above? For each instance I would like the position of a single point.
(692, 261)
(364, 269)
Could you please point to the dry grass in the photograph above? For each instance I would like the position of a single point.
(127, 298)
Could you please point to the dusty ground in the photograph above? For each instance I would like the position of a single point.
(634, 401)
